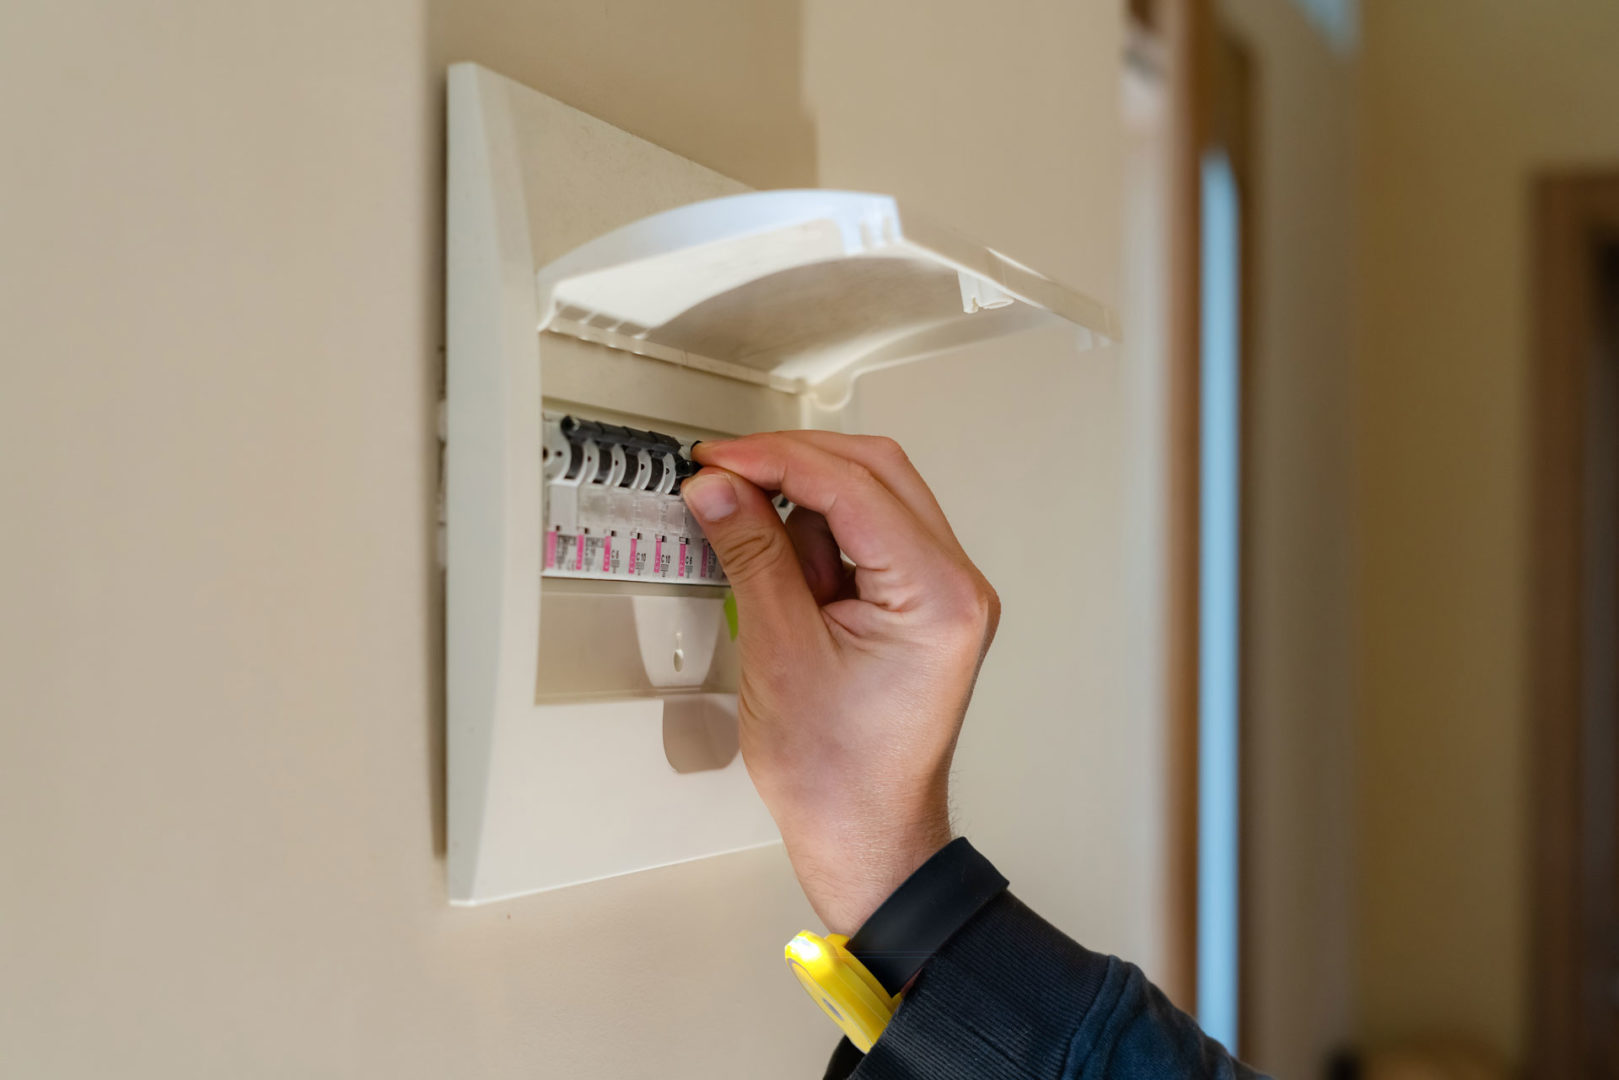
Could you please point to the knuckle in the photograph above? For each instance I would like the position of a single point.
(992, 610)
(887, 448)
(750, 554)
(889, 454)
(971, 604)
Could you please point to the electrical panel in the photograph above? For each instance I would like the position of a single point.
(610, 304)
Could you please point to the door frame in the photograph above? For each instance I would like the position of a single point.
(1572, 213)
(1212, 91)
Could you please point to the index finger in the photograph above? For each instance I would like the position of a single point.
(869, 522)
(889, 463)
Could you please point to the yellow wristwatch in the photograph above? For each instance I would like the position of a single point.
(859, 981)
(841, 986)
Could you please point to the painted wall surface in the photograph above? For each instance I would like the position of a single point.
(1465, 101)
(220, 275)
(1299, 697)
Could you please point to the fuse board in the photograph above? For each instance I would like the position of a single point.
(608, 302)
(613, 506)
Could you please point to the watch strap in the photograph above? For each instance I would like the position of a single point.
(925, 912)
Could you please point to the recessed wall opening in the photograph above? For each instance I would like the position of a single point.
(699, 732)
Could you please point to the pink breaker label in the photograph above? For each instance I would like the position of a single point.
(634, 536)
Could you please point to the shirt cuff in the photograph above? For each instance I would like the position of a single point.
(988, 1004)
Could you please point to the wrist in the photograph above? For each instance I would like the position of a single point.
(847, 873)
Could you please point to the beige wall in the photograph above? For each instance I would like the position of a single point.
(1465, 100)
(221, 750)
(1299, 698)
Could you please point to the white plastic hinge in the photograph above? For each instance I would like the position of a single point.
(980, 295)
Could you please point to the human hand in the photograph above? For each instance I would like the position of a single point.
(855, 679)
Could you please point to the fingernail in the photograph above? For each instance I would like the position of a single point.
(710, 497)
(703, 445)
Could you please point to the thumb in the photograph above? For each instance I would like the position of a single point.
(753, 548)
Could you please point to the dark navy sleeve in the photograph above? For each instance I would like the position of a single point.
(1010, 997)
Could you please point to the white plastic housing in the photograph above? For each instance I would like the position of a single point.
(592, 724)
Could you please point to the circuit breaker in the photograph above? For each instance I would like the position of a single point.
(613, 506)
(610, 304)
